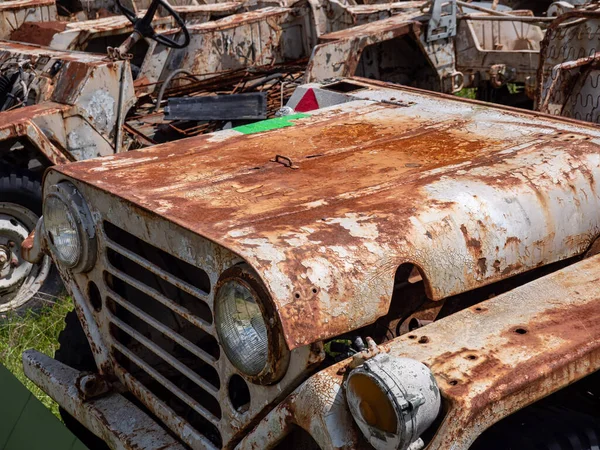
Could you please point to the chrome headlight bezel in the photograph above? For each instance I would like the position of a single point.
(67, 194)
(278, 355)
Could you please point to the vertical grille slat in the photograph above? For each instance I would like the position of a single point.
(168, 384)
(164, 344)
(164, 355)
(209, 359)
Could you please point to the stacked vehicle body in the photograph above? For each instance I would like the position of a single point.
(380, 267)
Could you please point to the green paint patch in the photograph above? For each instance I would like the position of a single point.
(270, 124)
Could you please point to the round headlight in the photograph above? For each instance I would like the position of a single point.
(61, 228)
(241, 327)
(393, 400)
(69, 227)
(249, 338)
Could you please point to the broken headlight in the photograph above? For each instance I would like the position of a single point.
(69, 227)
(393, 401)
(247, 332)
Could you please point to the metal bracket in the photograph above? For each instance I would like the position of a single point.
(442, 23)
(284, 160)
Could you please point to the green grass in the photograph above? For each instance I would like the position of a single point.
(467, 93)
(34, 330)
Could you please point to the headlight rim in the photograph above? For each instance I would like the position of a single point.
(411, 388)
(278, 355)
(67, 193)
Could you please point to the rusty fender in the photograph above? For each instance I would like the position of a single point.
(489, 361)
(25, 123)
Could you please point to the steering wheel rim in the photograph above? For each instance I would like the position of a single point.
(143, 25)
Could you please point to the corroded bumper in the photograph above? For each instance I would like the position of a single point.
(489, 360)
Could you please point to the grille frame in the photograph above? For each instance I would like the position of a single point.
(198, 438)
(196, 250)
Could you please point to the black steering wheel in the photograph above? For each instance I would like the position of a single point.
(144, 25)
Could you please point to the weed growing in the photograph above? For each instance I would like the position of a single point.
(38, 330)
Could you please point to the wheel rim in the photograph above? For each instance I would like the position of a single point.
(20, 280)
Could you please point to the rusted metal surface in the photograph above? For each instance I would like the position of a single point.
(384, 48)
(24, 123)
(92, 95)
(263, 37)
(115, 357)
(512, 44)
(568, 74)
(507, 353)
(339, 53)
(78, 35)
(14, 13)
(116, 420)
(333, 15)
(469, 194)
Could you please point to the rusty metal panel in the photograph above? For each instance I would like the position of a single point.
(489, 361)
(263, 37)
(469, 194)
(339, 52)
(568, 78)
(14, 13)
(26, 122)
(76, 35)
(515, 45)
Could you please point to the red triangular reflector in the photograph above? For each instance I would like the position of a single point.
(308, 102)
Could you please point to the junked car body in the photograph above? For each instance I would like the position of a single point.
(275, 284)
(234, 47)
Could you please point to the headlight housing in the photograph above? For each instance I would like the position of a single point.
(393, 400)
(70, 230)
(247, 327)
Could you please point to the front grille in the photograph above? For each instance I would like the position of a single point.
(162, 335)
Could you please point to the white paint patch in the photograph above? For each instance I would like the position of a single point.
(356, 225)
(279, 283)
(101, 108)
(120, 163)
(81, 147)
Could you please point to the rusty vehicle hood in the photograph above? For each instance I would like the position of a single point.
(468, 193)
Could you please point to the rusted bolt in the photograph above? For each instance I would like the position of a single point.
(92, 385)
(423, 340)
(11, 243)
(88, 384)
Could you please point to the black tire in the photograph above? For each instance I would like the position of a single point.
(23, 188)
(74, 350)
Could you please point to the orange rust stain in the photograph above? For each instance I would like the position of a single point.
(73, 73)
(578, 328)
